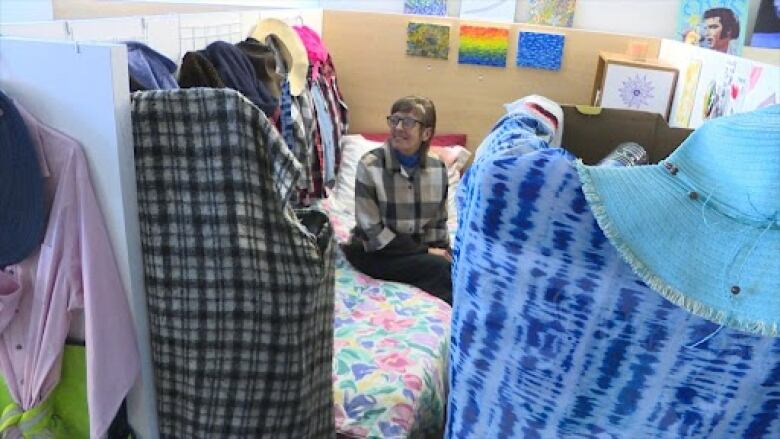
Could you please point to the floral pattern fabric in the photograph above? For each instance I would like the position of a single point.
(391, 351)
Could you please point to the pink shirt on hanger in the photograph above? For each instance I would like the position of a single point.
(73, 273)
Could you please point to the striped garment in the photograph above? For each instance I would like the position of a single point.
(390, 202)
(554, 336)
(240, 287)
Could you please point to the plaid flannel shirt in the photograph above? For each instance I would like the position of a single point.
(240, 287)
(392, 206)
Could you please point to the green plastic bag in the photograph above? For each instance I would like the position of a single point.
(70, 415)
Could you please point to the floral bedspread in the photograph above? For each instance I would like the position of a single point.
(391, 352)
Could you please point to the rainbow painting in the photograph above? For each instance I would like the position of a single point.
(484, 46)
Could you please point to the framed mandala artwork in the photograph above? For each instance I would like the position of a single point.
(638, 88)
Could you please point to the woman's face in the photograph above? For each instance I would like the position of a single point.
(407, 133)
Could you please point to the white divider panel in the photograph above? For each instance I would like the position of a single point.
(162, 34)
(196, 31)
(725, 84)
(51, 30)
(115, 30)
(309, 17)
(83, 92)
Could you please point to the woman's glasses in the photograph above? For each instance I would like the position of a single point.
(406, 121)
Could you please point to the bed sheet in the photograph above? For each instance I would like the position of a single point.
(391, 352)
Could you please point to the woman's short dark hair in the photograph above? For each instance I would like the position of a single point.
(424, 109)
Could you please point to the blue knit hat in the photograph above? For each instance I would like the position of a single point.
(703, 227)
(21, 188)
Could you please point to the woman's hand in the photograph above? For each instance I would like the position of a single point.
(440, 252)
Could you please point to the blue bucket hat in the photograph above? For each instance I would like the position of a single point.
(21, 188)
(703, 227)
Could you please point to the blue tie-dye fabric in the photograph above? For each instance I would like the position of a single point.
(554, 336)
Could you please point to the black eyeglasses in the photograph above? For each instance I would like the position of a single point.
(406, 121)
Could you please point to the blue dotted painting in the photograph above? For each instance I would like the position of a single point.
(425, 7)
(539, 50)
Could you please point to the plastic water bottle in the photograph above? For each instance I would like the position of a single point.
(626, 154)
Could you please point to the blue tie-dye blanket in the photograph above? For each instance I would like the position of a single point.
(554, 336)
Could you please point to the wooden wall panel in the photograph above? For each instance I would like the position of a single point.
(369, 51)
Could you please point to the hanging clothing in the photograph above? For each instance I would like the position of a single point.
(238, 73)
(197, 71)
(296, 119)
(72, 272)
(554, 335)
(149, 69)
(304, 132)
(240, 287)
(264, 61)
(330, 104)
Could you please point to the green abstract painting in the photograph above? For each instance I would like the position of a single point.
(428, 40)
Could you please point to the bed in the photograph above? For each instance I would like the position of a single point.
(391, 339)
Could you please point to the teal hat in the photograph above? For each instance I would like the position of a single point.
(703, 227)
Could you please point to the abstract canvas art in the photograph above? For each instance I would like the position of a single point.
(486, 46)
(425, 7)
(688, 97)
(552, 12)
(428, 40)
(714, 24)
(540, 50)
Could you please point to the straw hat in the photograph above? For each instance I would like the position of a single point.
(22, 216)
(295, 55)
(703, 227)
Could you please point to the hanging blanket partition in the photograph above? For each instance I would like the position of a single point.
(239, 286)
(554, 335)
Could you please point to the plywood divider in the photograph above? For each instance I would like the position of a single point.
(369, 51)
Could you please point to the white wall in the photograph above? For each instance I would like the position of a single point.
(288, 4)
(25, 10)
(656, 18)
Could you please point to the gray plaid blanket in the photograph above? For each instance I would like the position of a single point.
(239, 286)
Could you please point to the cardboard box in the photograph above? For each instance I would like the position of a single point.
(592, 132)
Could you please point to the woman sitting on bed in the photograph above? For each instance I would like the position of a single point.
(401, 205)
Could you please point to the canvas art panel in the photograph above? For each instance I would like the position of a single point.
(688, 98)
(634, 88)
(719, 25)
(540, 50)
(425, 7)
(727, 84)
(482, 45)
(428, 40)
(551, 12)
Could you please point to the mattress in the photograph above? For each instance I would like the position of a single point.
(391, 351)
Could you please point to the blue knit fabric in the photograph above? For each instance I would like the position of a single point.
(554, 335)
(326, 134)
(236, 70)
(286, 119)
(407, 161)
(151, 69)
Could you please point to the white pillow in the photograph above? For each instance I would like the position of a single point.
(354, 146)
